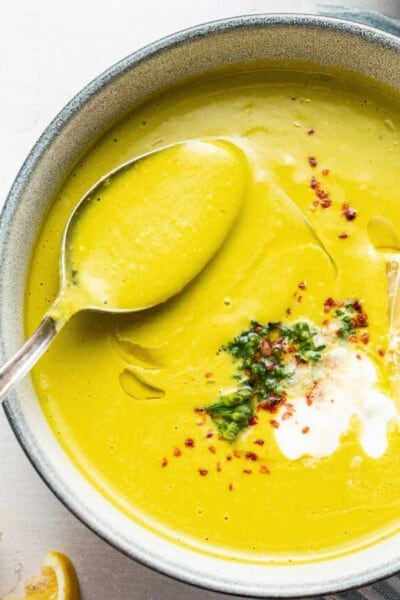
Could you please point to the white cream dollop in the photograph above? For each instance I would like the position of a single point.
(343, 390)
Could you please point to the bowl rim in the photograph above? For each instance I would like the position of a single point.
(66, 114)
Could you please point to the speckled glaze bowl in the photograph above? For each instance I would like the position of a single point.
(320, 39)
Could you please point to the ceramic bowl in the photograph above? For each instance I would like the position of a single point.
(329, 42)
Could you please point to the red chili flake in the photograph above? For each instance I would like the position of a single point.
(311, 131)
(264, 470)
(251, 456)
(212, 449)
(302, 285)
(208, 374)
(259, 442)
(275, 423)
(164, 462)
(322, 194)
(343, 236)
(288, 311)
(247, 471)
(357, 306)
(286, 415)
(209, 435)
(359, 356)
(314, 183)
(299, 299)
(189, 443)
(361, 320)
(176, 452)
(305, 429)
(326, 202)
(218, 467)
(329, 304)
(258, 328)
(312, 161)
(325, 172)
(199, 410)
(353, 338)
(265, 405)
(230, 487)
(265, 348)
(229, 457)
(310, 397)
(203, 472)
(272, 404)
(364, 338)
(381, 352)
(253, 420)
(348, 212)
(237, 454)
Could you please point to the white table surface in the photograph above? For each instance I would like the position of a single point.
(49, 49)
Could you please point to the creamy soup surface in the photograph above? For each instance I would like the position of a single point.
(253, 415)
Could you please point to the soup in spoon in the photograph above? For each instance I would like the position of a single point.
(140, 236)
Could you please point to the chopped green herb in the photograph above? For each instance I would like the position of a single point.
(266, 356)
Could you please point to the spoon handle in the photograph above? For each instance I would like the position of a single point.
(27, 356)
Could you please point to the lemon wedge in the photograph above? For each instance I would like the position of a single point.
(57, 580)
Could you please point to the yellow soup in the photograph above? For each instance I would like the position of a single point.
(252, 415)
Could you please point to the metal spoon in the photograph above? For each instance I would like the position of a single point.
(217, 215)
(386, 241)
